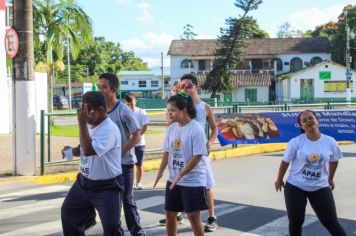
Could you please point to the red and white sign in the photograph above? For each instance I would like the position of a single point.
(11, 43)
(2, 5)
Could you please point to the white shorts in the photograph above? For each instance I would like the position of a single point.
(210, 181)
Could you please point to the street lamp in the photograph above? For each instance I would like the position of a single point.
(348, 60)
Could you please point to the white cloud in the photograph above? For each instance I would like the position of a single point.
(146, 14)
(309, 18)
(205, 36)
(149, 47)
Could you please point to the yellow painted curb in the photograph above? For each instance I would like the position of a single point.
(154, 164)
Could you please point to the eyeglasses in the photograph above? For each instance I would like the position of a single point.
(186, 86)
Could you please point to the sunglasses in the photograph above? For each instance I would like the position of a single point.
(186, 86)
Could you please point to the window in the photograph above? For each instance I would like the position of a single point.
(296, 64)
(141, 84)
(250, 95)
(279, 63)
(154, 83)
(124, 82)
(9, 15)
(186, 64)
(201, 65)
(315, 60)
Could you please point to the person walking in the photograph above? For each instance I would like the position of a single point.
(99, 183)
(124, 118)
(205, 115)
(314, 158)
(142, 119)
(184, 147)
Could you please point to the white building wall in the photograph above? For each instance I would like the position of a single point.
(337, 74)
(133, 82)
(306, 57)
(5, 82)
(262, 94)
(177, 71)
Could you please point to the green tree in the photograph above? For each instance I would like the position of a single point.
(99, 56)
(286, 31)
(56, 22)
(188, 33)
(230, 45)
(336, 33)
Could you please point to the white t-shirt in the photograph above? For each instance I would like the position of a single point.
(142, 119)
(183, 143)
(106, 141)
(310, 161)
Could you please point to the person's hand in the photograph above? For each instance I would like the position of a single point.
(208, 147)
(76, 151)
(175, 181)
(83, 115)
(278, 185)
(64, 149)
(331, 183)
(158, 177)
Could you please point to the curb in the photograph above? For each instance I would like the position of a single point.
(154, 164)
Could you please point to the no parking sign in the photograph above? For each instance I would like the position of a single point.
(11, 43)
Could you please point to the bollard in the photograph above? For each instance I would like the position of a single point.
(42, 142)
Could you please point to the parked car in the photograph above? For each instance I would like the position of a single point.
(60, 102)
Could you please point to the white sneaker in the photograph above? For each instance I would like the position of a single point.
(139, 186)
(134, 186)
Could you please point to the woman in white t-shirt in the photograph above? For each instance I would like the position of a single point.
(314, 158)
(184, 146)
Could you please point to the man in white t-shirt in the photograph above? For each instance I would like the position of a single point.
(99, 184)
(142, 119)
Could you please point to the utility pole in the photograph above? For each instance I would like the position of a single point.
(348, 60)
(69, 77)
(162, 75)
(24, 97)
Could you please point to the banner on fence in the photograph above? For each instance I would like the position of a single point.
(276, 127)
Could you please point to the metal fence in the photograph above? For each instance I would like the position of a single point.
(61, 129)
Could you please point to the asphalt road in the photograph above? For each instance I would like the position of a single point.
(246, 202)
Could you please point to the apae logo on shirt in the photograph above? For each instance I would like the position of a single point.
(176, 147)
(313, 166)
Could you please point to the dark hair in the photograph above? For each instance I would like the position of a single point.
(190, 77)
(94, 99)
(300, 121)
(112, 79)
(181, 101)
(129, 97)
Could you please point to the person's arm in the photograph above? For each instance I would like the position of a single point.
(213, 127)
(84, 137)
(188, 167)
(162, 167)
(134, 139)
(143, 129)
(281, 172)
(332, 169)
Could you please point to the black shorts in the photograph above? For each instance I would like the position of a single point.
(185, 199)
(139, 152)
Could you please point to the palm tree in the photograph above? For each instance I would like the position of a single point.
(58, 22)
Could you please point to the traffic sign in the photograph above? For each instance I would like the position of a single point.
(11, 43)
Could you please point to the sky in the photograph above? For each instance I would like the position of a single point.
(147, 27)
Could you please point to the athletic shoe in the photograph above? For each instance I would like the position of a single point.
(179, 220)
(211, 224)
(139, 186)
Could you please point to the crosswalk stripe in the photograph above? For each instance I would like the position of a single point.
(35, 191)
(278, 227)
(150, 202)
(30, 208)
(37, 230)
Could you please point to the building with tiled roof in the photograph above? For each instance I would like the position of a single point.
(264, 60)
